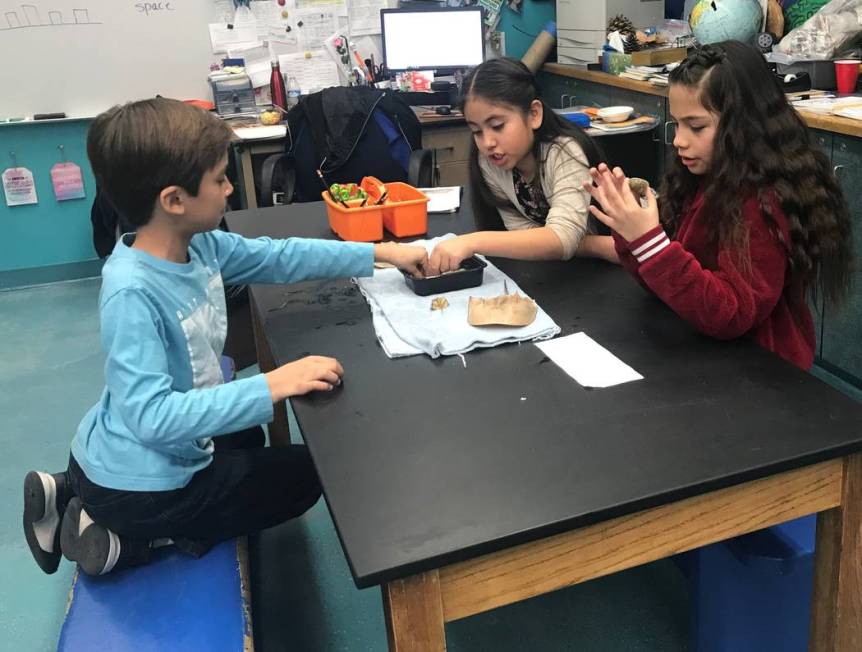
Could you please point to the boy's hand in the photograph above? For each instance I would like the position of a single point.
(302, 376)
(411, 259)
(621, 210)
(448, 255)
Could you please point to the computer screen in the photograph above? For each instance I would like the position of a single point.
(439, 39)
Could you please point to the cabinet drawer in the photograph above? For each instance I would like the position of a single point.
(453, 174)
(581, 38)
(581, 14)
(577, 55)
(450, 145)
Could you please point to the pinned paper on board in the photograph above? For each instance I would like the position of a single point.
(314, 25)
(364, 16)
(314, 70)
(67, 181)
(18, 186)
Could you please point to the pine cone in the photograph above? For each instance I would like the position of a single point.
(631, 44)
(621, 24)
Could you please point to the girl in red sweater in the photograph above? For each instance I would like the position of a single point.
(751, 221)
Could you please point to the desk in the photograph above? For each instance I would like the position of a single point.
(243, 148)
(448, 137)
(459, 490)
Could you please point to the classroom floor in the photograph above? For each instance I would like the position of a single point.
(303, 596)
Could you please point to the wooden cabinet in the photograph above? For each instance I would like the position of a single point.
(451, 149)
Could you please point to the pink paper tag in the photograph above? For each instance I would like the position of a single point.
(18, 187)
(67, 181)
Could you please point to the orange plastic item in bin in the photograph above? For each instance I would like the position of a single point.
(405, 211)
(356, 224)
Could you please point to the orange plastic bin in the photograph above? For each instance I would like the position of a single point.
(356, 224)
(405, 213)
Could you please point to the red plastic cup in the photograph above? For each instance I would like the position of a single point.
(846, 75)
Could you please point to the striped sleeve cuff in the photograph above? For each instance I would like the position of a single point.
(649, 244)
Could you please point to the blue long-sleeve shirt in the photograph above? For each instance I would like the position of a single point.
(163, 327)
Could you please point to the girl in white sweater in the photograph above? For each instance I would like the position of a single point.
(527, 169)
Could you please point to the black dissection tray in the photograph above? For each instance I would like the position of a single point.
(469, 276)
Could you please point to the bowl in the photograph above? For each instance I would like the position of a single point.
(615, 113)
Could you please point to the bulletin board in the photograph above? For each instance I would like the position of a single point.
(83, 56)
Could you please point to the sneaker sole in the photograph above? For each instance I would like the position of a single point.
(41, 521)
(96, 549)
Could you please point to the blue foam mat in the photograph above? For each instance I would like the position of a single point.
(174, 602)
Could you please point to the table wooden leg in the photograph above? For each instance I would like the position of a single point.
(279, 430)
(248, 178)
(836, 615)
(414, 614)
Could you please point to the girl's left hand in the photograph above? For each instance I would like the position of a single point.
(621, 210)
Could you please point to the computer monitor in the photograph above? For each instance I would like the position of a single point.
(443, 39)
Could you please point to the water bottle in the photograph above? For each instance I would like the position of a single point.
(292, 92)
(276, 87)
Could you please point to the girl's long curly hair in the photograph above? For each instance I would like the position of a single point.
(509, 82)
(762, 145)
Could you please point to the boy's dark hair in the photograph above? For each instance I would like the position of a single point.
(762, 146)
(509, 82)
(139, 149)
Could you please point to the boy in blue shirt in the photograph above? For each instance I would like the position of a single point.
(171, 453)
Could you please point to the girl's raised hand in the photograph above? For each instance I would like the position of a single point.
(620, 210)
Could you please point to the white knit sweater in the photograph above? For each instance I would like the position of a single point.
(564, 169)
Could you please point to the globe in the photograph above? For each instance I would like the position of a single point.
(725, 20)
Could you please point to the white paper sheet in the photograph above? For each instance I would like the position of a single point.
(314, 25)
(268, 15)
(443, 199)
(364, 16)
(589, 363)
(223, 37)
(313, 70)
(258, 63)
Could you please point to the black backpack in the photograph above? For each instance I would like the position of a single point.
(347, 133)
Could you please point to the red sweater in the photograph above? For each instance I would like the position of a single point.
(704, 285)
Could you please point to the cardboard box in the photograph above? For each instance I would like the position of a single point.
(657, 56)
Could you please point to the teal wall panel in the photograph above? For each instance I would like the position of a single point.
(522, 28)
(48, 233)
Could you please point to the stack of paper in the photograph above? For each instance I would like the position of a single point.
(446, 199)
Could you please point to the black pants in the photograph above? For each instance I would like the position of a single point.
(246, 488)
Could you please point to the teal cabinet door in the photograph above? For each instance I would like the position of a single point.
(823, 141)
(654, 105)
(842, 327)
(556, 89)
(591, 94)
(563, 92)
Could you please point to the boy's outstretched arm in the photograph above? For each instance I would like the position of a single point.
(264, 260)
(411, 259)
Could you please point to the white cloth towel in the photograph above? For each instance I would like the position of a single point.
(406, 325)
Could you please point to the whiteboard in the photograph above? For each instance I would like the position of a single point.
(83, 56)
